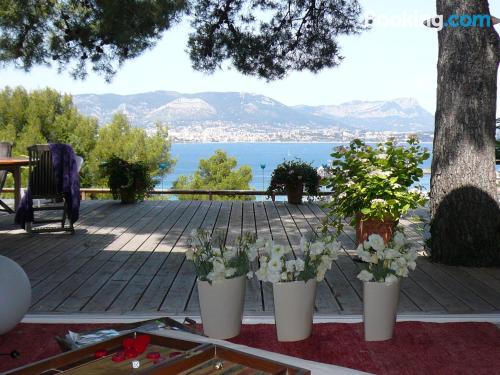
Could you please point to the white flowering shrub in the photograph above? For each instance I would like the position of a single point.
(375, 181)
(214, 261)
(386, 263)
(317, 258)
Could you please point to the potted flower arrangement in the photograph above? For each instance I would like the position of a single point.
(131, 182)
(294, 283)
(386, 264)
(372, 186)
(292, 178)
(222, 273)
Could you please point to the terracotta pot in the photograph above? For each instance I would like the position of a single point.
(221, 305)
(380, 306)
(366, 227)
(294, 309)
(295, 194)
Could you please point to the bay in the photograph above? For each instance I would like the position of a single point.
(257, 155)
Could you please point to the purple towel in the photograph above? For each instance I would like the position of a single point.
(67, 183)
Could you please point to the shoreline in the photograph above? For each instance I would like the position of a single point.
(279, 142)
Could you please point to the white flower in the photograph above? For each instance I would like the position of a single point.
(399, 239)
(381, 202)
(326, 261)
(364, 255)
(261, 274)
(365, 276)
(321, 275)
(350, 183)
(342, 195)
(189, 254)
(278, 251)
(274, 265)
(316, 248)
(259, 243)
(230, 272)
(391, 279)
(376, 242)
(249, 274)
(284, 276)
(391, 253)
(290, 265)
(252, 254)
(218, 265)
(273, 277)
(216, 251)
(381, 156)
(299, 265)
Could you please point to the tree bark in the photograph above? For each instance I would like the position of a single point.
(465, 215)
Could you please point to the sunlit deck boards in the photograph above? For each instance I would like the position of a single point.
(130, 259)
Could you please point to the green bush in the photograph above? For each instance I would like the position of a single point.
(290, 174)
(131, 182)
(374, 181)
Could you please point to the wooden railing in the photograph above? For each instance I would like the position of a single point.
(85, 192)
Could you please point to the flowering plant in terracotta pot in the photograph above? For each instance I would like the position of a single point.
(374, 186)
(294, 283)
(385, 265)
(222, 272)
(293, 177)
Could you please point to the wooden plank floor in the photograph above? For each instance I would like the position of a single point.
(126, 259)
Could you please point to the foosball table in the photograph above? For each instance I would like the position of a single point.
(145, 353)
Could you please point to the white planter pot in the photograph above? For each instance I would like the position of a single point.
(380, 306)
(294, 309)
(221, 305)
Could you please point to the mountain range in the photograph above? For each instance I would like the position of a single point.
(210, 108)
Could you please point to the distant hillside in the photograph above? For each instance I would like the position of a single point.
(210, 108)
(398, 115)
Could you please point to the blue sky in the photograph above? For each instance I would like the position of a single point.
(384, 63)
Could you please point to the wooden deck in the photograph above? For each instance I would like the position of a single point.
(129, 259)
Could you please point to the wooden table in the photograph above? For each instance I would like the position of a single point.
(13, 165)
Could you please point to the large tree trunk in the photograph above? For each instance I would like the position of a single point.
(465, 226)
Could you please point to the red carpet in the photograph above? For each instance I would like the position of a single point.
(417, 348)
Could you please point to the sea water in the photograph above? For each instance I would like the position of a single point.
(261, 157)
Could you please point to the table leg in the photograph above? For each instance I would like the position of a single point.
(16, 173)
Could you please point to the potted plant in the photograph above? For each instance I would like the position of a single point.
(294, 283)
(386, 264)
(222, 273)
(372, 186)
(293, 177)
(131, 182)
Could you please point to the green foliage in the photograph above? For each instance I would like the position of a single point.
(287, 35)
(129, 181)
(374, 181)
(46, 116)
(290, 174)
(131, 144)
(77, 34)
(217, 173)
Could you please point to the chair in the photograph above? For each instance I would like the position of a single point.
(5, 151)
(42, 185)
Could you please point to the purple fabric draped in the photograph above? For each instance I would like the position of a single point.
(67, 182)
